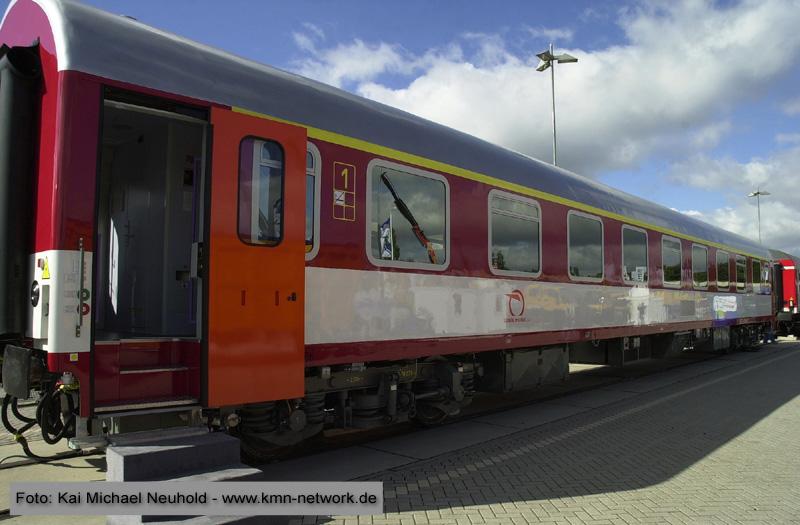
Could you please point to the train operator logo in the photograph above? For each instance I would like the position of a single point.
(516, 307)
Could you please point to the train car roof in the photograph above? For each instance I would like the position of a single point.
(778, 254)
(116, 47)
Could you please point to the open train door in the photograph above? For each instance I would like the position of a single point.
(256, 265)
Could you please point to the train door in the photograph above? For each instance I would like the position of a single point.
(256, 247)
(147, 332)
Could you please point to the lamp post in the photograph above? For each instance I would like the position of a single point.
(757, 194)
(548, 60)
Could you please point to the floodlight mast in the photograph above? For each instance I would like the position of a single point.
(757, 194)
(548, 60)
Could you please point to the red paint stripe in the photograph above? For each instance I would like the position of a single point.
(342, 353)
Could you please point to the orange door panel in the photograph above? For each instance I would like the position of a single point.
(255, 280)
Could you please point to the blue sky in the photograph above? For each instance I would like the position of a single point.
(689, 103)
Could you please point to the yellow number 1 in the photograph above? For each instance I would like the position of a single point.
(344, 174)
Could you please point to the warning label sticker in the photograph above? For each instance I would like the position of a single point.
(46, 269)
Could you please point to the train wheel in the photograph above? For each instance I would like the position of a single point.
(430, 415)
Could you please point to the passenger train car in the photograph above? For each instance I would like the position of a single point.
(185, 232)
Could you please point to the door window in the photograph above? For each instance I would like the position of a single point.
(260, 192)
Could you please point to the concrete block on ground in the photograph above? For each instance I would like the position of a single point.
(166, 459)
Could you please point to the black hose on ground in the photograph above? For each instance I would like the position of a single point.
(11, 402)
(48, 415)
(17, 414)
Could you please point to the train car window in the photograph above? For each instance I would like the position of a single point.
(757, 277)
(741, 272)
(514, 232)
(699, 266)
(634, 255)
(408, 216)
(671, 261)
(313, 181)
(260, 192)
(723, 269)
(585, 239)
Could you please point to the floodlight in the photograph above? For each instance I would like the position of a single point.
(758, 194)
(548, 60)
(565, 59)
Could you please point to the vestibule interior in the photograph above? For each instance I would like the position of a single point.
(149, 209)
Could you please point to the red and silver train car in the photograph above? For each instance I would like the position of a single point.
(184, 231)
(787, 291)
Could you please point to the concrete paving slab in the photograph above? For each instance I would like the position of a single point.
(83, 468)
(335, 465)
(595, 398)
(434, 441)
(641, 386)
(531, 416)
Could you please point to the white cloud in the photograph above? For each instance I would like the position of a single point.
(552, 34)
(355, 62)
(710, 135)
(792, 107)
(315, 30)
(788, 138)
(778, 173)
(667, 89)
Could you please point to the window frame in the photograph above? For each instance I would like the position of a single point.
(384, 263)
(257, 139)
(708, 272)
(743, 287)
(646, 252)
(664, 282)
(716, 261)
(757, 285)
(312, 148)
(602, 248)
(512, 197)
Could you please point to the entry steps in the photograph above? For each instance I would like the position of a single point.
(178, 455)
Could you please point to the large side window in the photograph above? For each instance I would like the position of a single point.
(741, 273)
(757, 276)
(260, 192)
(312, 201)
(699, 266)
(585, 256)
(723, 270)
(408, 214)
(634, 255)
(514, 232)
(671, 261)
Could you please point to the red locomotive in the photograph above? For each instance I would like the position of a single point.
(186, 232)
(787, 286)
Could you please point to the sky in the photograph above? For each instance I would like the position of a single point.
(689, 103)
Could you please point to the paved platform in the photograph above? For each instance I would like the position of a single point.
(716, 441)
(712, 442)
